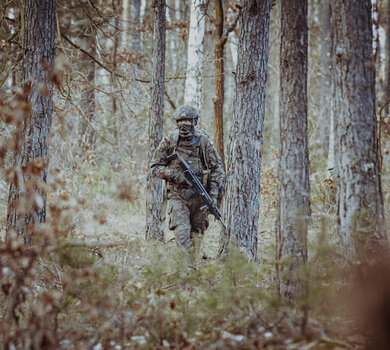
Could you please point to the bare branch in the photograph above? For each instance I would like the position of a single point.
(169, 100)
(92, 57)
(101, 15)
(18, 59)
(229, 29)
(88, 121)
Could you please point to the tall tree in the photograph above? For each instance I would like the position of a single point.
(125, 23)
(219, 98)
(135, 15)
(87, 98)
(193, 87)
(327, 111)
(242, 200)
(27, 198)
(221, 33)
(294, 188)
(325, 51)
(357, 163)
(116, 4)
(387, 87)
(154, 186)
(173, 45)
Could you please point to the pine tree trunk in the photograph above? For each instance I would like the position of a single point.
(387, 97)
(294, 188)
(357, 170)
(27, 201)
(193, 87)
(274, 82)
(116, 42)
(154, 186)
(330, 162)
(375, 31)
(219, 99)
(242, 200)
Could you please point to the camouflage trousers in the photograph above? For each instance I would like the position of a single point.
(187, 221)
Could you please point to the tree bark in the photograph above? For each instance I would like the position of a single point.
(154, 186)
(193, 86)
(242, 200)
(116, 43)
(325, 50)
(387, 97)
(27, 197)
(294, 187)
(330, 162)
(375, 30)
(357, 170)
(219, 98)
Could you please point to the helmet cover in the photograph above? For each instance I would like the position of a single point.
(185, 112)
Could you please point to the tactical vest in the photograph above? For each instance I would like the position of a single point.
(193, 153)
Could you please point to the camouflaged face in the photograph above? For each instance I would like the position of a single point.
(185, 112)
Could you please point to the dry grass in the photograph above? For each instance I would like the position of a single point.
(98, 284)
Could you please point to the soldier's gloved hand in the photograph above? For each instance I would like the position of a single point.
(214, 197)
(179, 178)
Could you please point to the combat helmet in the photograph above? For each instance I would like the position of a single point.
(186, 112)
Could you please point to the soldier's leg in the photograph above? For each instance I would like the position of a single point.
(199, 224)
(196, 242)
(179, 222)
(199, 219)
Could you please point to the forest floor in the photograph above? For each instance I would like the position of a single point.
(107, 288)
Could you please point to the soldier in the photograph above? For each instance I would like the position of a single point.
(185, 217)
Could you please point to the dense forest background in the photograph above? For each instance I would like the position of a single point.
(80, 274)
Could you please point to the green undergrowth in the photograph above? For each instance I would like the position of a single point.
(150, 295)
(160, 299)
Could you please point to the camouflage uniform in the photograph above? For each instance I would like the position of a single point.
(185, 217)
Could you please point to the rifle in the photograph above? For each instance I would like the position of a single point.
(197, 188)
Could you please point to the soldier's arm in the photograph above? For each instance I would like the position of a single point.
(159, 164)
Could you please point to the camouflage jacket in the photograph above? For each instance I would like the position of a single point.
(160, 168)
